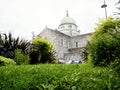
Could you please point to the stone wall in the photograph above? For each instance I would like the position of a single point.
(66, 47)
(59, 40)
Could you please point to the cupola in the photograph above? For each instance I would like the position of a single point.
(68, 26)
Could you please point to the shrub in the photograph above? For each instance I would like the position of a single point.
(103, 50)
(44, 51)
(84, 53)
(57, 77)
(116, 65)
(6, 61)
(21, 58)
(104, 46)
(35, 57)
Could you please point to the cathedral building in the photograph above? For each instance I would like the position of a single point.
(67, 40)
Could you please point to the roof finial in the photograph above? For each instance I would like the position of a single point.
(67, 15)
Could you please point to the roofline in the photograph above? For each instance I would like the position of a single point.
(56, 30)
(84, 34)
(67, 23)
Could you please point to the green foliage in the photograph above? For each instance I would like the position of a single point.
(43, 50)
(6, 61)
(84, 53)
(106, 26)
(0, 39)
(11, 43)
(104, 50)
(58, 77)
(35, 57)
(21, 58)
(104, 46)
(116, 65)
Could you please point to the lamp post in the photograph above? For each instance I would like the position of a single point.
(104, 6)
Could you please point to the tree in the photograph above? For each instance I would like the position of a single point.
(104, 47)
(42, 51)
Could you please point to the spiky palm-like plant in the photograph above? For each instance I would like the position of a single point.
(10, 43)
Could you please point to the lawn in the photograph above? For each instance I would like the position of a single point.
(58, 77)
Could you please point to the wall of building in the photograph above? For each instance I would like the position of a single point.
(66, 47)
(79, 41)
(59, 40)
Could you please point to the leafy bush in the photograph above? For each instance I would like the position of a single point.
(21, 58)
(116, 65)
(35, 57)
(104, 46)
(84, 53)
(43, 50)
(6, 61)
(57, 77)
(104, 50)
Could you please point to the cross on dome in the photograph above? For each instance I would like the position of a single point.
(67, 15)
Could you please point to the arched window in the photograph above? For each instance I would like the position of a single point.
(70, 26)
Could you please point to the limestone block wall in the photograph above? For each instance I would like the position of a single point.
(79, 41)
(59, 40)
(66, 47)
(73, 55)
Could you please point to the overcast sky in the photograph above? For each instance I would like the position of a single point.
(22, 17)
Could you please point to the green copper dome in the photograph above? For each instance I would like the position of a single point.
(68, 26)
(66, 20)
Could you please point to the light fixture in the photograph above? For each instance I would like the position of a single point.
(104, 6)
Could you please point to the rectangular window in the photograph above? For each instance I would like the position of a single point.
(61, 42)
(76, 44)
(69, 44)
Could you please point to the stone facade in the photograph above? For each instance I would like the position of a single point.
(66, 47)
(67, 40)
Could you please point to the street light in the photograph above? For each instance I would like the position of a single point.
(104, 6)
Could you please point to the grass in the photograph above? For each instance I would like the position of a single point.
(58, 77)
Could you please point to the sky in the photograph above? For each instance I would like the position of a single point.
(23, 17)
